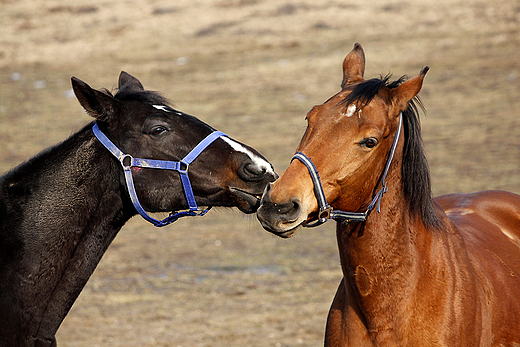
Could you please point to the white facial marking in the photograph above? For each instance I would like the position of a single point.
(166, 109)
(350, 111)
(162, 108)
(256, 159)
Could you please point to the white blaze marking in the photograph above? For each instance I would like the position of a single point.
(236, 146)
(350, 111)
(161, 107)
(165, 109)
(256, 159)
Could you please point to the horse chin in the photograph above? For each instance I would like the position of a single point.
(287, 233)
(279, 228)
(246, 202)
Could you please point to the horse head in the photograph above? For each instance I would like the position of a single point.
(348, 138)
(142, 124)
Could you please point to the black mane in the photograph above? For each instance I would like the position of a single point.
(415, 171)
(143, 96)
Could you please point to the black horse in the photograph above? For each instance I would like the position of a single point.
(60, 210)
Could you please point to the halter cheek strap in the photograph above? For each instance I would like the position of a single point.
(128, 162)
(325, 210)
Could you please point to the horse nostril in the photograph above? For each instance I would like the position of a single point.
(254, 169)
(288, 210)
(275, 216)
(252, 172)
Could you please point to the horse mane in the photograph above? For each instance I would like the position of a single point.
(144, 96)
(415, 171)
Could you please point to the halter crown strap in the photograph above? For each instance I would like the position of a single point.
(325, 210)
(127, 162)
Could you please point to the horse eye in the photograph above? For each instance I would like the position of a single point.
(158, 130)
(368, 143)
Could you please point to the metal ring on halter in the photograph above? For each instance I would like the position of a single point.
(185, 170)
(125, 166)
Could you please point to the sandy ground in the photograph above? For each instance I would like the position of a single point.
(252, 68)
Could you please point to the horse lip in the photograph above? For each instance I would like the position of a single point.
(281, 233)
(276, 227)
(241, 191)
(253, 199)
(285, 234)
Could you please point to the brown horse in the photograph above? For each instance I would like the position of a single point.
(422, 271)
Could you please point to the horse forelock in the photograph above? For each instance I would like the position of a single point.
(363, 93)
(144, 96)
(416, 182)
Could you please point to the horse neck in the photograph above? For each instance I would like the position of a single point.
(385, 242)
(379, 257)
(71, 211)
(390, 259)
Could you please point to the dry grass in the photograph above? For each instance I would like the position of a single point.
(251, 68)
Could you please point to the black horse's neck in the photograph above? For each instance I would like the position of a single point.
(59, 212)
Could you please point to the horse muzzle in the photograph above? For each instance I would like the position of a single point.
(280, 218)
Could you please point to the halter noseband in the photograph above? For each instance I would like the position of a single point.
(128, 162)
(325, 210)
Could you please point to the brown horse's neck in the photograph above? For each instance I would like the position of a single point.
(390, 259)
(379, 259)
(381, 262)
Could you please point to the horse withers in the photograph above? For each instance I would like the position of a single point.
(417, 271)
(60, 210)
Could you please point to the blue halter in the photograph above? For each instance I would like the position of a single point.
(325, 210)
(128, 162)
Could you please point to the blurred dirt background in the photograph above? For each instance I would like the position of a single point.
(252, 68)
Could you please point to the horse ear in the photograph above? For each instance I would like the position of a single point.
(408, 90)
(354, 66)
(99, 105)
(129, 82)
